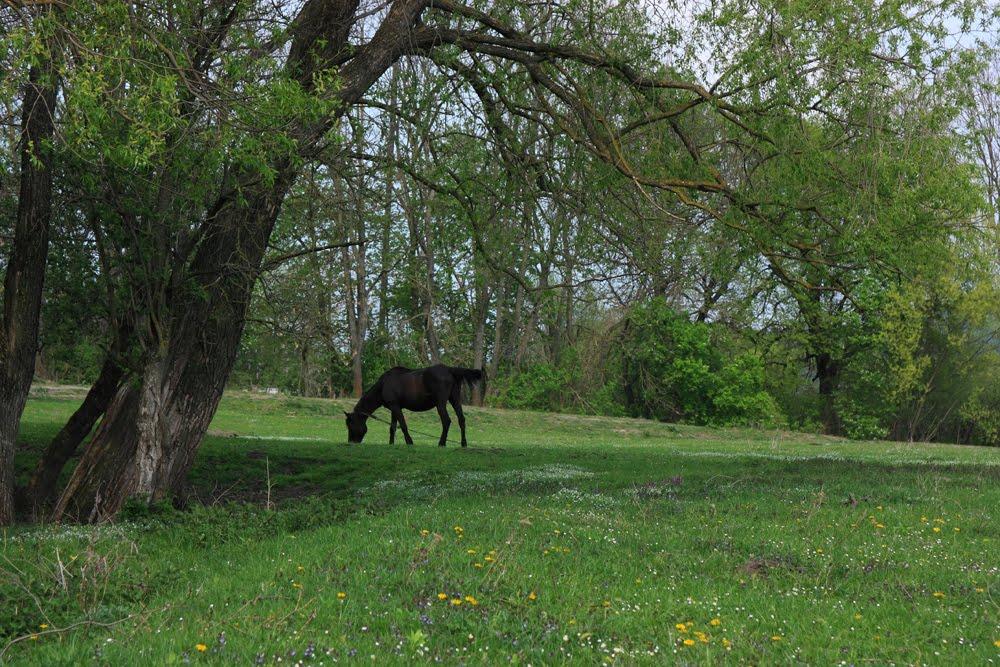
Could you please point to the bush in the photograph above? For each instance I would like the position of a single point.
(538, 387)
(740, 397)
(674, 372)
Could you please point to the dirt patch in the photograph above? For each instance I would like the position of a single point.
(763, 567)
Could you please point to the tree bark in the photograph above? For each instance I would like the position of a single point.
(498, 327)
(146, 443)
(828, 374)
(479, 338)
(353, 327)
(392, 136)
(42, 487)
(26, 269)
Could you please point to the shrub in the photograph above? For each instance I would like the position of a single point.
(674, 372)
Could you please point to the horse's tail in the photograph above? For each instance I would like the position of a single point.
(469, 376)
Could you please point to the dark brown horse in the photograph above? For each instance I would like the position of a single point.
(417, 390)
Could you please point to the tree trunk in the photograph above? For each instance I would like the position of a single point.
(828, 374)
(498, 327)
(479, 338)
(390, 196)
(433, 343)
(360, 277)
(146, 443)
(42, 487)
(25, 270)
(353, 327)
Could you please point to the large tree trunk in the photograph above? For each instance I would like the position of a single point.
(25, 270)
(42, 487)
(146, 443)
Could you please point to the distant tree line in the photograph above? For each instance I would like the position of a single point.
(757, 213)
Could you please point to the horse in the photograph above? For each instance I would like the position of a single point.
(416, 390)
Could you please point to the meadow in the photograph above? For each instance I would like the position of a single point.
(552, 539)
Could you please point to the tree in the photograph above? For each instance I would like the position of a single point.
(25, 270)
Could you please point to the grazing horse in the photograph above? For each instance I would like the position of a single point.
(416, 390)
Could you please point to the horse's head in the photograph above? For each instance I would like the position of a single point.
(356, 426)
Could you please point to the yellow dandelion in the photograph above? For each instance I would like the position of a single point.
(299, 568)
(43, 626)
(471, 600)
(296, 584)
(980, 589)
(775, 638)
(489, 559)
(477, 564)
(681, 627)
(34, 638)
(201, 648)
(726, 643)
(937, 529)
(857, 617)
(442, 596)
(938, 594)
(997, 643)
(425, 532)
(341, 595)
(715, 622)
(606, 603)
(456, 602)
(879, 525)
(702, 637)
(471, 552)
(532, 596)
(689, 642)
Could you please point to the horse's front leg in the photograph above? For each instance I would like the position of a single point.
(397, 416)
(445, 422)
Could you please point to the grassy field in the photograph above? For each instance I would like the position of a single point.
(553, 539)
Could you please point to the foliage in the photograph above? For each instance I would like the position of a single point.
(675, 372)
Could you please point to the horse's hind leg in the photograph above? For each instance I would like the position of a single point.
(397, 416)
(442, 407)
(392, 430)
(456, 404)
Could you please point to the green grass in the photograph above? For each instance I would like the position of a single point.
(581, 540)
